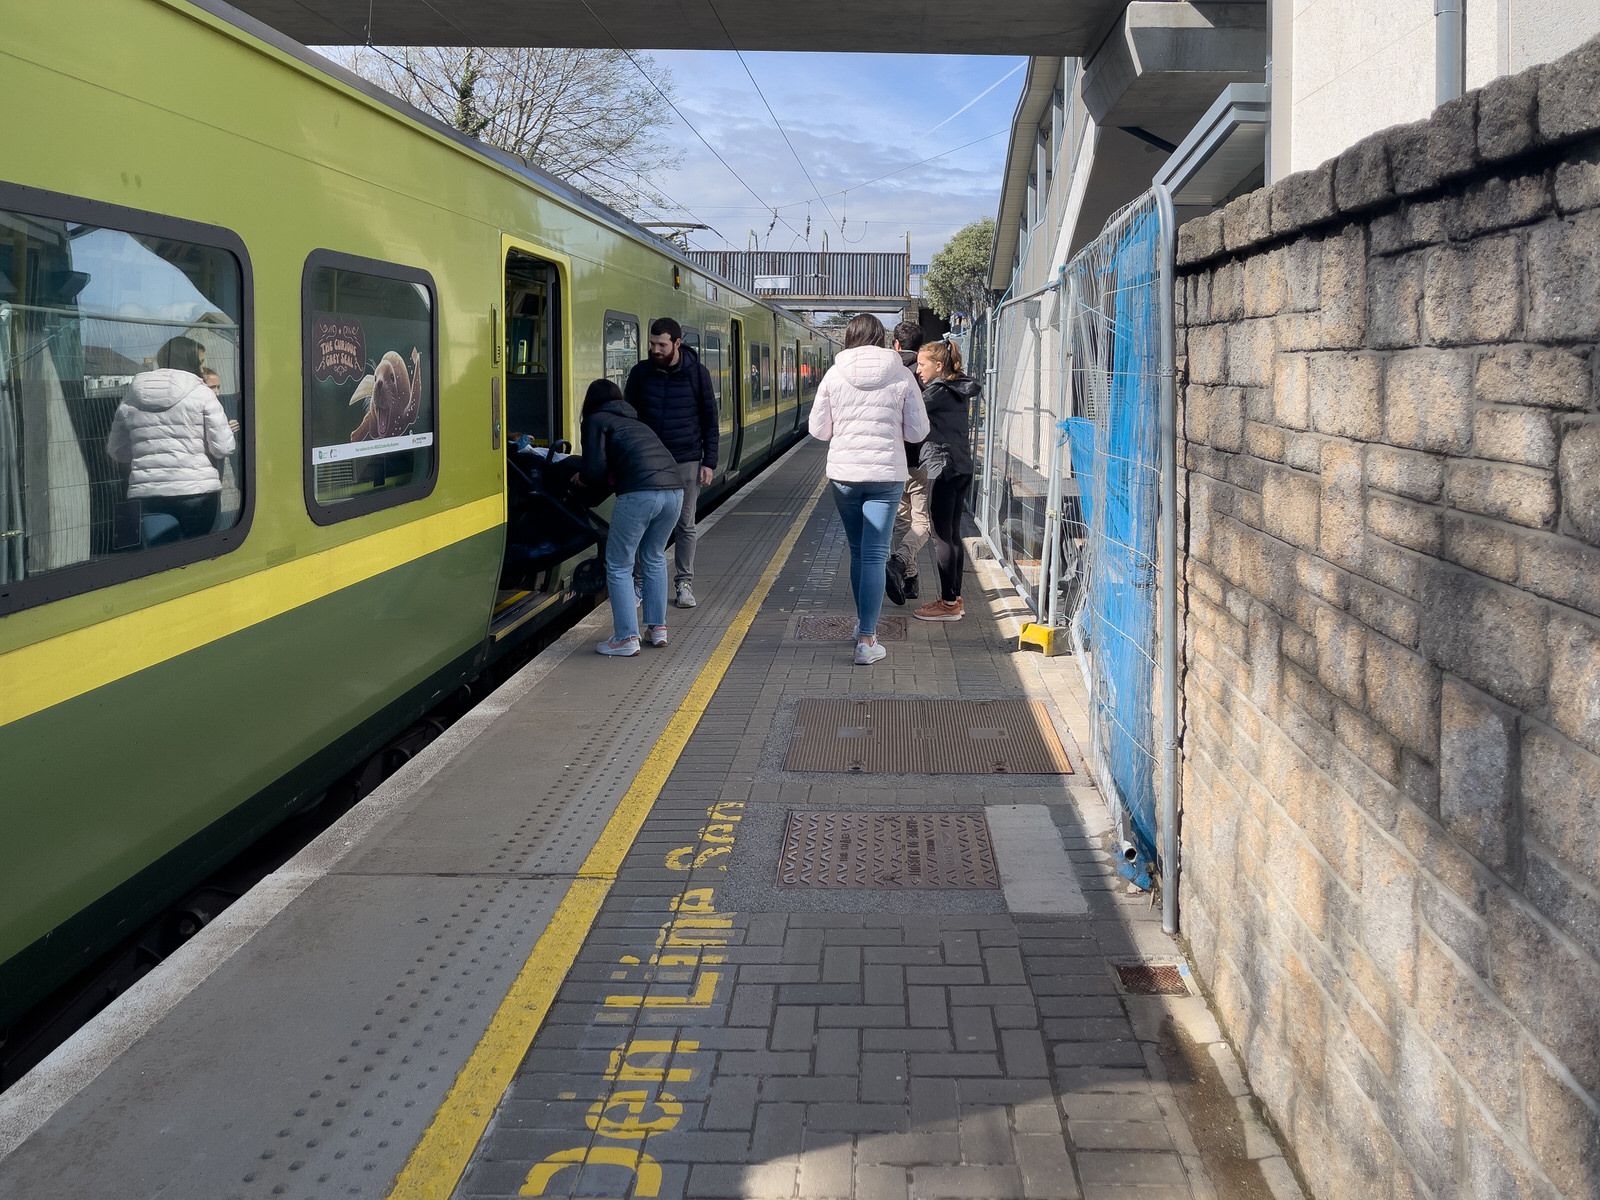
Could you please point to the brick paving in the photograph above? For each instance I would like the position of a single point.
(720, 1037)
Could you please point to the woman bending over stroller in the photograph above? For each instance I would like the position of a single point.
(622, 452)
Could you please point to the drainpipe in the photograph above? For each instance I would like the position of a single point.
(1450, 49)
(1167, 238)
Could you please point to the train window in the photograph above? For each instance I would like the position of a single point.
(691, 338)
(712, 358)
(621, 346)
(808, 371)
(766, 376)
(371, 385)
(123, 376)
(753, 400)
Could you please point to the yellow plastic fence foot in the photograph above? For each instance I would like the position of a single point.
(1044, 637)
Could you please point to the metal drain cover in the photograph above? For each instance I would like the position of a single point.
(841, 629)
(1160, 980)
(927, 737)
(888, 850)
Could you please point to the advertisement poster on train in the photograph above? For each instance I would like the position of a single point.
(371, 404)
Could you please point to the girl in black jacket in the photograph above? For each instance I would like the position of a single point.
(621, 451)
(947, 458)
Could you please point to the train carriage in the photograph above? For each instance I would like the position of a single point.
(385, 308)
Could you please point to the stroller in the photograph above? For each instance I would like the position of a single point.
(549, 521)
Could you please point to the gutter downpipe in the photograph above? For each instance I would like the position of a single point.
(1167, 235)
(1450, 49)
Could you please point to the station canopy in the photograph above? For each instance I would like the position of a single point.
(1021, 27)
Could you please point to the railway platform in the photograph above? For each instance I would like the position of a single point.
(735, 918)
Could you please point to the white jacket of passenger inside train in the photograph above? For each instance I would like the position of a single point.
(868, 407)
(169, 427)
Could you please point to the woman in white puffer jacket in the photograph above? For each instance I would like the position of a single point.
(867, 408)
(168, 428)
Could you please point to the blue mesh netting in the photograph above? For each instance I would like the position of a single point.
(1115, 455)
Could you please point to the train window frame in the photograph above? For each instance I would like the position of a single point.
(714, 336)
(324, 514)
(626, 318)
(78, 580)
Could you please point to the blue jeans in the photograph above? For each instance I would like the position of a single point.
(641, 522)
(868, 510)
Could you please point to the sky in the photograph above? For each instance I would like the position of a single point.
(851, 118)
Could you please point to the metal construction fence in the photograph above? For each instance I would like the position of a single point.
(1073, 442)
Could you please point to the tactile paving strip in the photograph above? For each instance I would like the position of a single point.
(1161, 980)
(841, 629)
(927, 737)
(899, 850)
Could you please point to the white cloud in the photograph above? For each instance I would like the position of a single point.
(851, 118)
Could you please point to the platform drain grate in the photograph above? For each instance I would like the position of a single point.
(1160, 980)
(927, 737)
(907, 851)
(842, 629)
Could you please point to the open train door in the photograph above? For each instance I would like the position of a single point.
(532, 393)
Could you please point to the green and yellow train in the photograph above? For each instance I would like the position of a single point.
(382, 307)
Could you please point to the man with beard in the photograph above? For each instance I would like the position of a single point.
(672, 393)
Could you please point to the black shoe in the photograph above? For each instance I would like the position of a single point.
(894, 580)
(911, 587)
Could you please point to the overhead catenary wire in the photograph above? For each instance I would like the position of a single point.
(606, 29)
(856, 187)
(766, 206)
(776, 123)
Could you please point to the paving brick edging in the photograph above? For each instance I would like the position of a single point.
(1541, 109)
(1390, 415)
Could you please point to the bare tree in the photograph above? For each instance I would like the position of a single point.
(587, 116)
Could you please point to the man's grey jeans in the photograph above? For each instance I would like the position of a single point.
(684, 534)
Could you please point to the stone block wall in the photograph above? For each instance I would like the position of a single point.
(1391, 572)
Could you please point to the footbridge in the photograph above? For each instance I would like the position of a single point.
(815, 281)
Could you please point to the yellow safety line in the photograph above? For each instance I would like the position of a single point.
(35, 677)
(436, 1165)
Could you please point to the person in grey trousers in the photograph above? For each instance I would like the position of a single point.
(673, 394)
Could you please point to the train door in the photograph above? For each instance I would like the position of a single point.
(530, 352)
(769, 401)
(744, 371)
(531, 367)
(727, 426)
(788, 391)
(809, 377)
(757, 437)
(737, 399)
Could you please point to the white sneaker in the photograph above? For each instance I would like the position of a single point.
(868, 653)
(685, 597)
(619, 648)
(657, 635)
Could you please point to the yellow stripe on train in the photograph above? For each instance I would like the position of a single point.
(33, 678)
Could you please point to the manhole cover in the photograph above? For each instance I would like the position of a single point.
(900, 850)
(927, 737)
(1152, 981)
(842, 629)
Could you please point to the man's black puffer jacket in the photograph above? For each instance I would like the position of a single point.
(679, 403)
(621, 449)
(948, 402)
